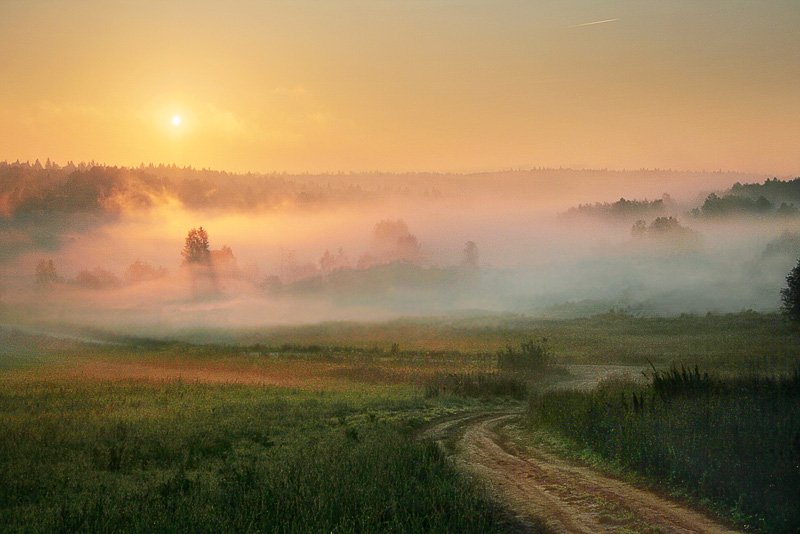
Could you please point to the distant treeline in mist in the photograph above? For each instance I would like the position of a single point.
(392, 260)
(621, 209)
(90, 188)
(109, 190)
(361, 244)
(773, 198)
(40, 204)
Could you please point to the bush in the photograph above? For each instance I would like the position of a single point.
(530, 356)
(480, 385)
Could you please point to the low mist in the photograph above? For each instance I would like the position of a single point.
(106, 247)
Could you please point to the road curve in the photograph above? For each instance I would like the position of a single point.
(538, 486)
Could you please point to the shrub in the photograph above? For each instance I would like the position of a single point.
(480, 385)
(530, 356)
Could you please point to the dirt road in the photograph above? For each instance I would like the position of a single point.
(538, 486)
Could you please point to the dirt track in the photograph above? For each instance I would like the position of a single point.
(538, 486)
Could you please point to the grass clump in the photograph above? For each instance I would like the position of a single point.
(733, 443)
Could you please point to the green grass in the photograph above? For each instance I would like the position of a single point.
(84, 451)
(746, 341)
(732, 444)
(188, 457)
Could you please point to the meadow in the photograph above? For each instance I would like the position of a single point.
(177, 456)
(312, 428)
(738, 342)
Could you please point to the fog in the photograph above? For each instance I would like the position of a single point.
(306, 249)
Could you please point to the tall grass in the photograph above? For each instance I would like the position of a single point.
(531, 355)
(478, 385)
(189, 457)
(733, 443)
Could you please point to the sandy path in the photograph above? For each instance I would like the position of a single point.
(568, 497)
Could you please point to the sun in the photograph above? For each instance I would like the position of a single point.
(176, 120)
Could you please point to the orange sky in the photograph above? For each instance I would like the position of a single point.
(395, 85)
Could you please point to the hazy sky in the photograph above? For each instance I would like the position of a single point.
(444, 85)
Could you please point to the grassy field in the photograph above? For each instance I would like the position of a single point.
(150, 436)
(311, 429)
(173, 456)
(742, 342)
(731, 444)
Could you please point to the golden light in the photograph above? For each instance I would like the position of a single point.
(176, 120)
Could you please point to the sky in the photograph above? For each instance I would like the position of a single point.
(403, 85)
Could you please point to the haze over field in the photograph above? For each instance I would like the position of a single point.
(296, 103)
(311, 248)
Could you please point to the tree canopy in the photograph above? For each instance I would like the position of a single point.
(196, 251)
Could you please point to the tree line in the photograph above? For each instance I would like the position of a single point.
(391, 242)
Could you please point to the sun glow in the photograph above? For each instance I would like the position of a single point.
(176, 120)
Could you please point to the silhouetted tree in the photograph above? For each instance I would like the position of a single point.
(142, 271)
(327, 262)
(790, 295)
(197, 258)
(408, 249)
(46, 272)
(732, 205)
(224, 261)
(786, 210)
(470, 260)
(97, 278)
(639, 229)
(665, 225)
(196, 251)
(391, 241)
(387, 232)
(667, 232)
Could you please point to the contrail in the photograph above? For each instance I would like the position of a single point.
(592, 23)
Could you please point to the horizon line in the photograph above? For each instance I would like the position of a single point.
(93, 163)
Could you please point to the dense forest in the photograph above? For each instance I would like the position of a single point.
(773, 198)
(89, 188)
